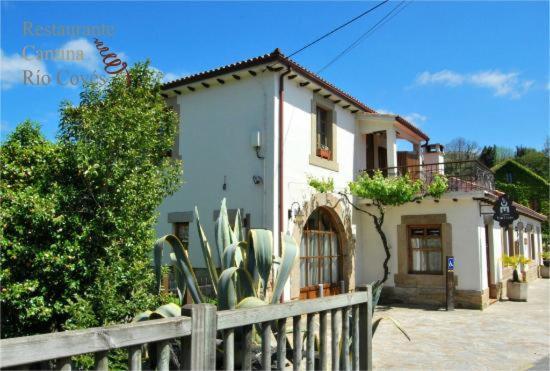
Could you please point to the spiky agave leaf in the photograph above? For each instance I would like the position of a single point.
(181, 284)
(166, 311)
(290, 252)
(232, 256)
(396, 324)
(227, 298)
(223, 232)
(143, 316)
(207, 254)
(238, 231)
(260, 257)
(251, 302)
(183, 263)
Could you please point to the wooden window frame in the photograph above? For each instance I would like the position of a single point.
(319, 259)
(327, 123)
(410, 227)
(176, 225)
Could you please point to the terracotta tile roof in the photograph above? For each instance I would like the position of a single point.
(277, 57)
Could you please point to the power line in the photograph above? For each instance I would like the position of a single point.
(392, 13)
(337, 28)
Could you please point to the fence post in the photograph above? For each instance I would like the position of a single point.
(201, 355)
(365, 329)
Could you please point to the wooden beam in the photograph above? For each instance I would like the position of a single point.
(242, 317)
(302, 84)
(36, 348)
(354, 111)
(346, 106)
(253, 73)
(177, 92)
(290, 77)
(317, 90)
(191, 88)
(203, 336)
(337, 101)
(221, 81)
(274, 69)
(236, 77)
(205, 84)
(327, 96)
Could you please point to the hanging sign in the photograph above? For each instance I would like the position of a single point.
(505, 211)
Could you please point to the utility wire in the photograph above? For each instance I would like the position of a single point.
(337, 28)
(392, 13)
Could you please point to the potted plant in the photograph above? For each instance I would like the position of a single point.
(545, 267)
(324, 152)
(516, 289)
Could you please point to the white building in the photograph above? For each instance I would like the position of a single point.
(255, 130)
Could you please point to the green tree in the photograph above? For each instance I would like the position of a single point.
(536, 161)
(78, 215)
(488, 155)
(392, 191)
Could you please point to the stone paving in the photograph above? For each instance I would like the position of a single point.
(506, 336)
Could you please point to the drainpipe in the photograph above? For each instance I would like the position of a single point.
(281, 156)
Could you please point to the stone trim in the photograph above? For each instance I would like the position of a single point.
(403, 245)
(324, 163)
(313, 158)
(181, 217)
(342, 217)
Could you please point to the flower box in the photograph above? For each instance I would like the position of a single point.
(324, 153)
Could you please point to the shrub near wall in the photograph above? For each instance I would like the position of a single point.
(78, 215)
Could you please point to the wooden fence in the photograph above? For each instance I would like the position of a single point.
(196, 331)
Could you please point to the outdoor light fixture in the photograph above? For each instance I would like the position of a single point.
(296, 212)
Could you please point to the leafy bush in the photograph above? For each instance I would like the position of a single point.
(78, 214)
(514, 262)
(321, 185)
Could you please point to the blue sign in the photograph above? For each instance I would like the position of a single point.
(451, 264)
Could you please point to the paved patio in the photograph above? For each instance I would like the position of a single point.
(505, 336)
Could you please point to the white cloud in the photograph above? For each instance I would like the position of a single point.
(13, 67)
(502, 84)
(414, 118)
(171, 76)
(445, 77)
(91, 59)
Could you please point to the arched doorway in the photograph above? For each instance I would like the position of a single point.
(320, 255)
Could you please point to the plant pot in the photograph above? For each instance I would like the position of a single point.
(545, 271)
(324, 153)
(546, 263)
(517, 291)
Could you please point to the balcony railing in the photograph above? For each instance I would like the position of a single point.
(463, 176)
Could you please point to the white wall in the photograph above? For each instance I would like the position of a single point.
(297, 142)
(216, 125)
(467, 226)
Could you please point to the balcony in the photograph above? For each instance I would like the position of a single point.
(463, 176)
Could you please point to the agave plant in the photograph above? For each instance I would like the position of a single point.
(241, 277)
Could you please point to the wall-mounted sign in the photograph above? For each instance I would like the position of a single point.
(505, 211)
(450, 263)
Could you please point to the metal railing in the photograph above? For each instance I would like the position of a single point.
(201, 328)
(465, 176)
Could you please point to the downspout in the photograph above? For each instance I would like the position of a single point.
(281, 156)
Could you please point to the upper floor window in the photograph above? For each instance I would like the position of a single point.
(509, 178)
(324, 133)
(425, 249)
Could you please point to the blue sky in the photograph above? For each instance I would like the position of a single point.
(472, 69)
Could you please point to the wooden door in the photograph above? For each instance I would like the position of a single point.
(320, 256)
